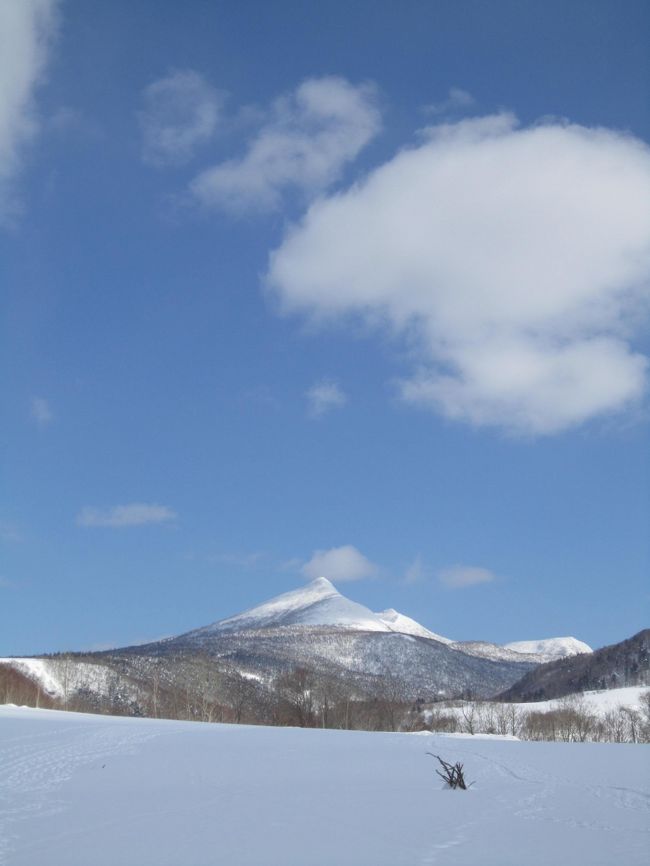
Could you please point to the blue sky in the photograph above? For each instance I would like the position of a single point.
(295, 287)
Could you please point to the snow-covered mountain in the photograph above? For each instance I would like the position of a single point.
(540, 651)
(623, 664)
(341, 642)
(318, 603)
(550, 648)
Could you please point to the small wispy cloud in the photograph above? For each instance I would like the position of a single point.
(457, 100)
(292, 564)
(415, 573)
(310, 136)
(339, 564)
(463, 576)
(5, 583)
(118, 516)
(41, 411)
(325, 396)
(180, 113)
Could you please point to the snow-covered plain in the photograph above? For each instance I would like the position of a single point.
(85, 790)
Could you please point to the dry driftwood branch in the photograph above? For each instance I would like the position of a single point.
(452, 774)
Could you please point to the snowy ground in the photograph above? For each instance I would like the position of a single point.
(598, 702)
(85, 790)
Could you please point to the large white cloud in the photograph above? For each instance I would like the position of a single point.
(26, 30)
(515, 260)
(180, 113)
(304, 145)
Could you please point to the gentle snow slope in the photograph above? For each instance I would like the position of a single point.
(99, 791)
(551, 648)
(405, 625)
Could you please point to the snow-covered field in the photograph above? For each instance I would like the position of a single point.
(598, 702)
(85, 790)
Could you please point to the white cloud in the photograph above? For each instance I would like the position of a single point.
(26, 31)
(181, 113)
(462, 576)
(339, 564)
(325, 396)
(515, 260)
(134, 514)
(415, 572)
(457, 100)
(305, 144)
(41, 411)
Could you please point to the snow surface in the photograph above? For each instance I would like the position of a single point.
(598, 702)
(318, 603)
(405, 625)
(551, 648)
(38, 670)
(83, 790)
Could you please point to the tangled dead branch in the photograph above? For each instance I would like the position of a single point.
(452, 774)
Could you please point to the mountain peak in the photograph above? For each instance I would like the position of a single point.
(321, 584)
(316, 603)
(551, 648)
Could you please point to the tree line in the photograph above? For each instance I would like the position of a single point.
(200, 688)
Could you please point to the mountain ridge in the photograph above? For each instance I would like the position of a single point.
(621, 664)
(342, 645)
(319, 603)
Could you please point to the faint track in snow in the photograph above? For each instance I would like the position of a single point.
(29, 767)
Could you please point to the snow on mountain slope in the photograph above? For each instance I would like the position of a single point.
(405, 625)
(39, 671)
(101, 790)
(550, 648)
(60, 677)
(318, 603)
(492, 651)
(539, 651)
(313, 626)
